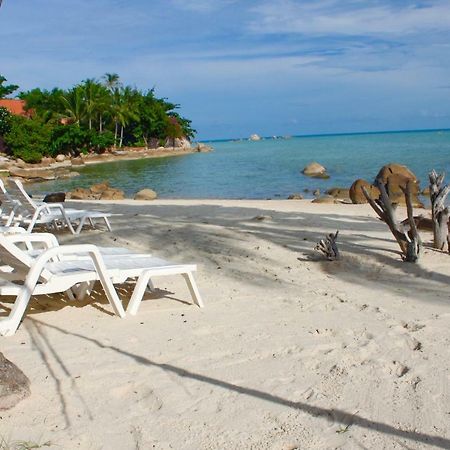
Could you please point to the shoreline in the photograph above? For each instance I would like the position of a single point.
(51, 170)
(131, 155)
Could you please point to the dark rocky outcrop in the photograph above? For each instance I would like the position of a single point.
(56, 197)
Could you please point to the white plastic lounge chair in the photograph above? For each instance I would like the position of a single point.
(50, 214)
(8, 206)
(60, 268)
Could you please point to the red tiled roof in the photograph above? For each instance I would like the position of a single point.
(14, 106)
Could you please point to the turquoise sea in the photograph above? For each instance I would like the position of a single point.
(270, 168)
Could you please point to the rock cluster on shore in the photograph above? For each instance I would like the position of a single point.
(394, 177)
(62, 166)
(104, 191)
(100, 191)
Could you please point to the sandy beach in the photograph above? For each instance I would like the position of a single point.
(290, 352)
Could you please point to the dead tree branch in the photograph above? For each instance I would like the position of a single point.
(439, 212)
(407, 236)
(328, 247)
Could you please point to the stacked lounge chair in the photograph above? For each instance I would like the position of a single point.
(33, 264)
(21, 209)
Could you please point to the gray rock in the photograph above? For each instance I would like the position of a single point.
(77, 161)
(56, 197)
(146, 194)
(14, 384)
(315, 170)
(36, 174)
(295, 197)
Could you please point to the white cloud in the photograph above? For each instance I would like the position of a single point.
(201, 6)
(326, 17)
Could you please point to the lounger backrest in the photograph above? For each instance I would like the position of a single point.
(8, 204)
(17, 192)
(12, 255)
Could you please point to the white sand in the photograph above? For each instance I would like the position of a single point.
(290, 352)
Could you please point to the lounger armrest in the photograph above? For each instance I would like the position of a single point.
(48, 239)
(46, 208)
(50, 206)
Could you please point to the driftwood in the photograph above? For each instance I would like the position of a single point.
(328, 247)
(439, 212)
(405, 234)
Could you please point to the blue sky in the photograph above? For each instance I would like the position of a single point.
(236, 67)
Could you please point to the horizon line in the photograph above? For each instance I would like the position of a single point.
(347, 133)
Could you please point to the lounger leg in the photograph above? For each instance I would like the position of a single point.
(150, 285)
(80, 225)
(69, 225)
(70, 295)
(9, 325)
(138, 293)
(84, 289)
(108, 225)
(192, 285)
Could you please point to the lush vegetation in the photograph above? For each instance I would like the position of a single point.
(90, 117)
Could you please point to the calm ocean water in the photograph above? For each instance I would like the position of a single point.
(270, 168)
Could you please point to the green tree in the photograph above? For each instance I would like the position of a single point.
(127, 109)
(6, 89)
(96, 99)
(74, 105)
(111, 81)
(46, 105)
(5, 121)
(28, 139)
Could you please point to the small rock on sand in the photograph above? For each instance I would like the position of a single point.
(14, 384)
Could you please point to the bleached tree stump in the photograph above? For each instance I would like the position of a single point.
(328, 247)
(405, 234)
(439, 212)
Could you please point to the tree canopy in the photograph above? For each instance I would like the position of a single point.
(6, 89)
(93, 115)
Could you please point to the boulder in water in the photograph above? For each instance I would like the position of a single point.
(146, 194)
(315, 170)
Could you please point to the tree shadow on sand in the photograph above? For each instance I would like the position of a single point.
(213, 236)
(339, 416)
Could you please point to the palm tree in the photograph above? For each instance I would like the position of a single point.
(111, 81)
(96, 101)
(90, 88)
(127, 109)
(74, 104)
